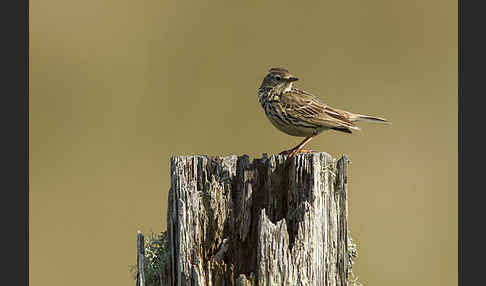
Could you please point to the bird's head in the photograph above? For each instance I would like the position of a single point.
(279, 79)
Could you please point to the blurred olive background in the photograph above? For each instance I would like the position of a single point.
(118, 87)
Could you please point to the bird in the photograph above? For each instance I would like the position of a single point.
(298, 113)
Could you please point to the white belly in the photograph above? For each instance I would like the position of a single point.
(294, 130)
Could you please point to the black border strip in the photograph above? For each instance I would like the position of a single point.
(471, 110)
(14, 208)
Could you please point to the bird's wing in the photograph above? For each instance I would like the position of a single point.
(300, 104)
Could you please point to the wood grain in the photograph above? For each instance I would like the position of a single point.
(235, 222)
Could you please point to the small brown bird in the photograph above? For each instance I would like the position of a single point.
(298, 113)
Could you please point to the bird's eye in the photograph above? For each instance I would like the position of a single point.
(277, 77)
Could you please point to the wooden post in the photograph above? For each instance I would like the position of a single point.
(235, 222)
(140, 259)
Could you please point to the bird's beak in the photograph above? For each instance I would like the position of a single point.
(291, 79)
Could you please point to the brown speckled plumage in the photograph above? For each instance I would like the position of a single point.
(299, 113)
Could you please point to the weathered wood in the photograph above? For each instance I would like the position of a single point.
(140, 259)
(235, 222)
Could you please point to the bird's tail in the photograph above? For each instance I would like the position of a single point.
(372, 118)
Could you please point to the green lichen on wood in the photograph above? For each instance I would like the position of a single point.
(155, 255)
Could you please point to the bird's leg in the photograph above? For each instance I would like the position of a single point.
(298, 148)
